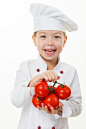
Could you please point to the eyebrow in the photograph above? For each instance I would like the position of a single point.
(42, 32)
(58, 33)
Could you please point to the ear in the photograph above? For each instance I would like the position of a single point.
(34, 40)
(65, 41)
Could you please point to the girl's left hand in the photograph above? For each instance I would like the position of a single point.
(58, 110)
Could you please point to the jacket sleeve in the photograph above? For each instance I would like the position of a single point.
(72, 106)
(21, 94)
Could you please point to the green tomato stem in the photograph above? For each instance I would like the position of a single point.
(62, 85)
(51, 89)
(40, 99)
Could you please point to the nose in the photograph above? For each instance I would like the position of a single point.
(50, 41)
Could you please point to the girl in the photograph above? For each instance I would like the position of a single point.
(50, 26)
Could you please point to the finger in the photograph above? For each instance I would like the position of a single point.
(52, 108)
(49, 75)
(56, 76)
(61, 104)
(56, 107)
(53, 75)
(46, 109)
(54, 111)
(39, 107)
(59, 109)
(42, 104)
(45, 77)
(59, 113)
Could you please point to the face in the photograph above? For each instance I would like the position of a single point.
(49, 43)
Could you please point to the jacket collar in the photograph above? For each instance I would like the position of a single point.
(42, 64)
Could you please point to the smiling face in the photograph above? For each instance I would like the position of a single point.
(49, 43)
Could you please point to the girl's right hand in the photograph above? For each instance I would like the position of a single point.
(48, 75)
(58, 110)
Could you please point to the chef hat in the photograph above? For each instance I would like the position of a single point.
(49, 18)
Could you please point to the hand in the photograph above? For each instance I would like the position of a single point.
(58, 110)
(48, 75)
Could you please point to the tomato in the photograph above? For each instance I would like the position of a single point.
(36, 102)
(51, 91)
(63, 92)
(51, 101)
(41, 89)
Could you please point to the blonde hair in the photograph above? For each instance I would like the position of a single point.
(34, 34)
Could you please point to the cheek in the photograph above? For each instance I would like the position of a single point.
(59, 46)
(40, 46)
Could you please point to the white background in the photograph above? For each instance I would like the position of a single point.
(16, 46)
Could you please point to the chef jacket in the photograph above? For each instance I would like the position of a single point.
(21, 95)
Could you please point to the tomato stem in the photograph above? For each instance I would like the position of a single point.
(40, 99)
(51, 89)
(62, 85)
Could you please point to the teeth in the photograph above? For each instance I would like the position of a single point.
(50, 50)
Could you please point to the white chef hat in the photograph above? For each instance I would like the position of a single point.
(49, 18)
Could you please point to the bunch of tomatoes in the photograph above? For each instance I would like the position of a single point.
(50, 95)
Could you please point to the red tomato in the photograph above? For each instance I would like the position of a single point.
(51, 101)
(63, 92)
(41, 89)
(51, 91)
(36, 102)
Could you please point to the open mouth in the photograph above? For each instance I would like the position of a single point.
(50, 51)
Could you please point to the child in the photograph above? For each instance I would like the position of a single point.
(50, 25)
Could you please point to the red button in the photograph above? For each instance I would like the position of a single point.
(53, 127)
(39, 127)
(61, 72)
(38, 70)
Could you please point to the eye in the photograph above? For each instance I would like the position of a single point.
(43, 36)
(57, 36)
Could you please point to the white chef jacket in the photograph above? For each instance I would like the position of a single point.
(21, 95)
